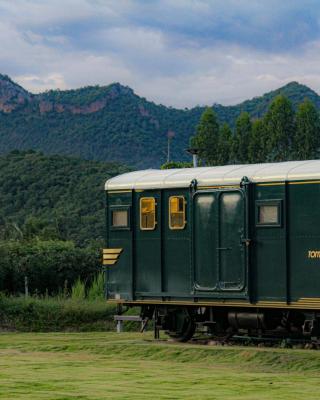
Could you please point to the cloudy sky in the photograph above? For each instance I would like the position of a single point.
(175, 52)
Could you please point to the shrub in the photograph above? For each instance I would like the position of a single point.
(48, 265)
(54, 314)
(97, 289)
(78, 290)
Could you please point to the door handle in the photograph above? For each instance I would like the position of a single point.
(246, 241)
(223, 248)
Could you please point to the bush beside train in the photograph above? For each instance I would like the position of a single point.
(234, 249)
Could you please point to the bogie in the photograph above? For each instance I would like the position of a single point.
(181, 323)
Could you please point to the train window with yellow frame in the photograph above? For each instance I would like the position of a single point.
(177, 212)
(147, 213)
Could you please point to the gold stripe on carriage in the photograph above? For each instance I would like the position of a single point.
(110, 256)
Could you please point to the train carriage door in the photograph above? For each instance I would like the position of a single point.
(219, 250)
(117, 256)
(205, 239)
(231, 249)
(148, 243)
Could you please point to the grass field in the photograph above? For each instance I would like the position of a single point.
(133, 366)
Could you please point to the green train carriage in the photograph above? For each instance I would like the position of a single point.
(233, 248)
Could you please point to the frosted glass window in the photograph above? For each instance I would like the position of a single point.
(268, 214)
(119, 218)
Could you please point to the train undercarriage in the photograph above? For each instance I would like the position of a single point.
(182, 322)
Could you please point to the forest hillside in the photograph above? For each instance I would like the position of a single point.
(112, 123)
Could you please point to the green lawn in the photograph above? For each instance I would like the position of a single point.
(133, 366)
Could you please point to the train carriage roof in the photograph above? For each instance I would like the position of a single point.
(216, 176)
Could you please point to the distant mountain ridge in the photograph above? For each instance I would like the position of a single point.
(112, 123)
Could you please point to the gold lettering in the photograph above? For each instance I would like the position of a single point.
(313, 253)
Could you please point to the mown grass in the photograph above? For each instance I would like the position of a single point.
(133, 366)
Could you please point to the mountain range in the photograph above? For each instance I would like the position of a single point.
(112, 123)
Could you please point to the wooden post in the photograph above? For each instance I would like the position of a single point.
(119, 326)
(26, 288)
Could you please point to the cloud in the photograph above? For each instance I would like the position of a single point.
(175, 52)
(272, 25)
(38, 83)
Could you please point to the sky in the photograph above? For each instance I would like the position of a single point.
(179, 53)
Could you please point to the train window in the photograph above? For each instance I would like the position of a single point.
(147, 213)
(268, 213)
(177, 212)
(120, 218)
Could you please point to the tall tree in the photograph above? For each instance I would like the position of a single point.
(225, 145)
(280, 127)
(242, 138)
(257, 150)
(307, 136)
(207, 136)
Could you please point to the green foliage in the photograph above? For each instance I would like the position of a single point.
(112, 123)
(97, 289)
(78, 290)
(242, 138)
(281, 135)
(53, 197)
(307, 135)
(176, 164)
(225, 145)
(101, 123)
(280, 126)
(207, 137)
(54, 314)
(257, 148)
(79, 97)
(49, 206)
(48, 265)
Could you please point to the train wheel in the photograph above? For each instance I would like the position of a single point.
(182, 325)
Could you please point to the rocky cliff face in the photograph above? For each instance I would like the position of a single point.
(12, 95)
(83, 101)
(49, 106)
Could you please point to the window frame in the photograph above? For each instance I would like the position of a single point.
(120, 208)
(155, 213)
(184, 213)
(271, 202)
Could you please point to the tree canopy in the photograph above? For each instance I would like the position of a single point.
(206, 139)
(53, 197)
(281, 134)
(307, 133)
